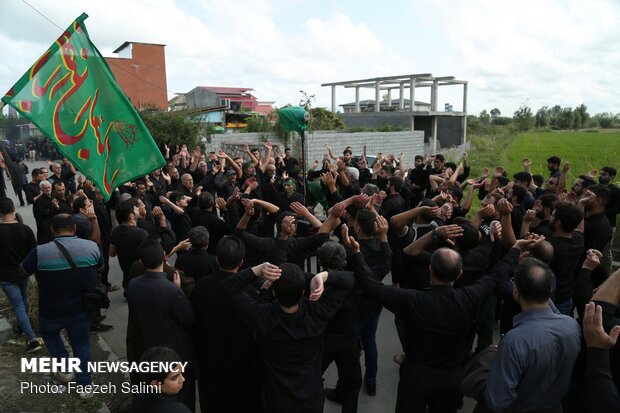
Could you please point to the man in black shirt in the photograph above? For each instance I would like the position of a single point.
(227, 352)
(597, 230)
(197, 263)
(291, 165)
(394, 204)
(606, 177)
(44, 208)
(289, 330)
(289, 195)
(31, 189)
(438, 323)
(285, 247)
(126, 237)
(565, 233)
(206, 216)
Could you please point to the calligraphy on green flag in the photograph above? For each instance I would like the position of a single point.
(71, 95)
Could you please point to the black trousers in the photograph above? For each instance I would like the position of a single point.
(345, 351)
(421, 387)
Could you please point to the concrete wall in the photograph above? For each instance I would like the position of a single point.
(449, 128)
(410, 143)
(148, 62)
(199, 98)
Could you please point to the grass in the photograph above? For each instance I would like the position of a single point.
(584, 151)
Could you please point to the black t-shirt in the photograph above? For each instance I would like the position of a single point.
(181, 224)
(126, 240)
(16, 241)
(196, 264)
(566, 255)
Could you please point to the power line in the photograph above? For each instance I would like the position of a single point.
(109, 62)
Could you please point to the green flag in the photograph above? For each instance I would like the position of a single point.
(71, 95)
(293, 118)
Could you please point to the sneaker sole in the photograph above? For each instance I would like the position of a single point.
(33, 350)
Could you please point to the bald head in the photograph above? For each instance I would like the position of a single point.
(533, 280)
(446, 265)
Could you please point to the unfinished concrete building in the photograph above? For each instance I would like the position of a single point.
(395, 95)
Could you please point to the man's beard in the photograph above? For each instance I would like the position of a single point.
(603, 181)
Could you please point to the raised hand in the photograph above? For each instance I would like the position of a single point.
(349, 242)
(249, 206)
(593, 330)
(221, 204)
(530, 215)
(499, 171)
(504, 207)
(527, 163)
(449, 232)
(495, 230)
(565, 166)
(382, 227)
(317, 286)
(593, 259)
(300, 209)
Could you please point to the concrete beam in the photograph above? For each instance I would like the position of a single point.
(374, 79)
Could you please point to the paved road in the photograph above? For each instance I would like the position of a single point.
(387, 340)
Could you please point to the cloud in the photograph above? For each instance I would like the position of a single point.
(547, 52)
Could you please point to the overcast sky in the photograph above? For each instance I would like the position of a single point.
(536, 52)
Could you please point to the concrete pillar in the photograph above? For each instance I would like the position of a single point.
(434, 95)
(357, 99)
(434, 132)
(389, 98)
(464, 112)
(401, 102)
(377, 97)
(333, 98)
(412, 94)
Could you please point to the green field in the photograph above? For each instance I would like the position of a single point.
(584, 150)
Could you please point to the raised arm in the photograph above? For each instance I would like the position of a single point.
(400, 221)
(446, 233)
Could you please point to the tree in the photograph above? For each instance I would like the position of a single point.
(523, 118)
(542, 119)
(566, 119)
(176, 127)
(485, 118)
(555, 113)
(496, 113)
(323, 119)
(584, 116)
(258, 123)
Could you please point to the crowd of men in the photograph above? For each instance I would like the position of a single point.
(215, 258)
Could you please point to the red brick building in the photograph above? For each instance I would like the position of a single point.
(140, 70)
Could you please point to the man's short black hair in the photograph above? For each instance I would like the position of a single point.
(287, 149)
(470, 237)
(440, 157)
(569, 216)
(602, 192)
(533, 279)
(35, 172)
(230, 252)
(502, 180)
(450, 165)
(519, 192)
(538, 179)
(125, 209)
(420, 157)
(78, 203)
(523, 177)
(548, 201)
(388, 169)
(587, 181)
(6, 206)
(609, 170)
(281, 217)
(63, 223)
(446, 264)
(290, 286)
(158, 354)
(332, 255)
(366, 221)
(554, 159)
(347, 151)
(457, 193)
(205, 200)
(57, 184)
(397, 183)
(151, 253)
